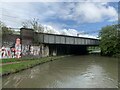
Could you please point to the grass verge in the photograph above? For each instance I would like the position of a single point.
(16, 67)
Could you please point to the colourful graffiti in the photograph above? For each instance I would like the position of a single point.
(18, 50)
(40, 50)
(11, 52)
(5, 52)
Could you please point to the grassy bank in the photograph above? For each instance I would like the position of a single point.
(23, 64)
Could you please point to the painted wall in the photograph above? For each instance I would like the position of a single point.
(11, 46)
(26, 47)
(25, 51)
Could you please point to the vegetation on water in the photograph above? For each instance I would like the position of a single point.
(23, 64)
(110, 40)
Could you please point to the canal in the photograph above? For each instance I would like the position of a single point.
(87, 71)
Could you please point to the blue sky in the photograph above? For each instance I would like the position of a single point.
(67, 17)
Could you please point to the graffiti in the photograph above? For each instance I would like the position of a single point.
(5, 52)
(17, 48)
(25, 50)
(40, 50)
(11, 52)
(14, 47)
(35, 50)
(46, 51)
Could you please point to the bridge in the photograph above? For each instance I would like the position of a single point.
(46, 38)
(54, 44)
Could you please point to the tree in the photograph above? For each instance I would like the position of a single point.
(34, 24)
(4, 29)
(110, 40)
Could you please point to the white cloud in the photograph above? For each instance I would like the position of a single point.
(13, 14)
(81, 12)
(0, 10)
(88, 12)
(50, 29)
(60, 0)
(69, 32)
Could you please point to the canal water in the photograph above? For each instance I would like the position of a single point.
(87, 71)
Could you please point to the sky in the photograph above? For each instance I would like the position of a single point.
(67, 18)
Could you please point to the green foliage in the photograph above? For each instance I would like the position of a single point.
(110, 40)
(4, 29)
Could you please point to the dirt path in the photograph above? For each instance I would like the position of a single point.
(11, 63)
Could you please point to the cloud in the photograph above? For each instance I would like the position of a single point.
(80, 12)
(88, 12)
(13, 14)
(50, 29)
(60, 0)
(56, 14)
(105, 1)
(69, 32)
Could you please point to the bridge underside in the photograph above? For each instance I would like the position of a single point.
(67, 49)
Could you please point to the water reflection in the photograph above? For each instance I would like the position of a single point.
(69, 72)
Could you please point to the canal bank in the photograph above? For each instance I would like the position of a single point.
(10, 66)
(85, 71)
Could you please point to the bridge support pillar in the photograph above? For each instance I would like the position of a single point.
(44, 50)
(52, 50)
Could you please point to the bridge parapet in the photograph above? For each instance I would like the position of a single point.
(46, 38)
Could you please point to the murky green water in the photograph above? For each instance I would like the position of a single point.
(70, 72)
